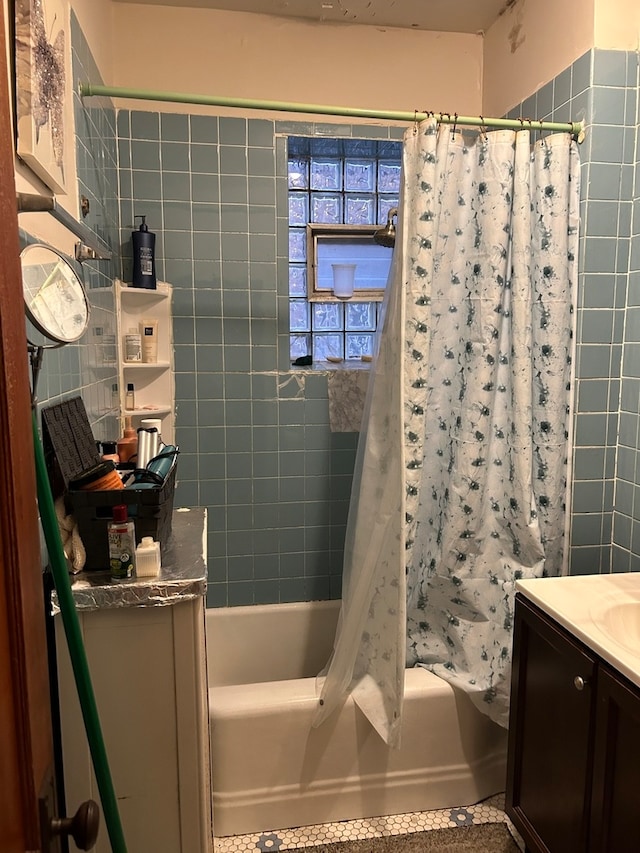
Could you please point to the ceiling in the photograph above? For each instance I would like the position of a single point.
(460, 16)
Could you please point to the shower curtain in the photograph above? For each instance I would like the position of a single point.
(461, 474)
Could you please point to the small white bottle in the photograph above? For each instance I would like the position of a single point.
(130, 397)
(147, 558)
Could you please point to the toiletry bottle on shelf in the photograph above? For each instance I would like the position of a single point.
(149, 338)
(122, 544)
(144, 261)
(132, 346)
(130, 398)
(128, 444)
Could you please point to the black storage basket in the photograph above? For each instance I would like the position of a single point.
(70, 449)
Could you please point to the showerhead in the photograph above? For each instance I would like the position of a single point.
(387, 236)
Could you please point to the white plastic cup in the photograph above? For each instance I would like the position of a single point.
(343, 278)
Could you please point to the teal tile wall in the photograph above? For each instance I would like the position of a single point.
(601, 87)
(88, 367)
(256, 448)
(605, 412)
(626, 516)
(256, 445)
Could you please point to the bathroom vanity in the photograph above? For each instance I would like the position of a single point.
(574, 735)
(145, 647)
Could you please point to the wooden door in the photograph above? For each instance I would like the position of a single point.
(550, 735)
(616, 772)
(26, 752)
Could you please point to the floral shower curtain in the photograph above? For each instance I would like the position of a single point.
(460, 482)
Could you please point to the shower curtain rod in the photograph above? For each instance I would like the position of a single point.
(88, 90)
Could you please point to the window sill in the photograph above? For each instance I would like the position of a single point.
(326, 366)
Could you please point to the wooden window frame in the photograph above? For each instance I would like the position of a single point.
(316, 231)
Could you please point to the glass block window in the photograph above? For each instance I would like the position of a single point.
(335, 182)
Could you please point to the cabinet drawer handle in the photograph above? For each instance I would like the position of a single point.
(579, 682)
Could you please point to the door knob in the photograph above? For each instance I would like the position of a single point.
(82, 827)
(579, 682)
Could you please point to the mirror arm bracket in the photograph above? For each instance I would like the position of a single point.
(36, 354)
(93, 247)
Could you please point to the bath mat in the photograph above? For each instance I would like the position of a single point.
(482, 838)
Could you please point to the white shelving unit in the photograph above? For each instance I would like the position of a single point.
(154, 384)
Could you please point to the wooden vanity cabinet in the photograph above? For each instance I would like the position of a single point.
(573, 770)
(549, 764)
(616, 770)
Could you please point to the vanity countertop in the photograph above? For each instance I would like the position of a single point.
(183, 575)
(603, 611)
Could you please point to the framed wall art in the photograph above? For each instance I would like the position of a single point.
(43, 53)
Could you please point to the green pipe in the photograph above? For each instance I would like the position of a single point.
(76, 649)
(88, 90)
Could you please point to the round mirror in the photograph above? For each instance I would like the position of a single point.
(54, 296)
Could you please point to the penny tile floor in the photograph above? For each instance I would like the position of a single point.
(488, 811)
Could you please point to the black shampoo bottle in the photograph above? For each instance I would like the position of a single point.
(144, 259)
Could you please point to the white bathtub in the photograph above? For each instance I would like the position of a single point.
(271, 770)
